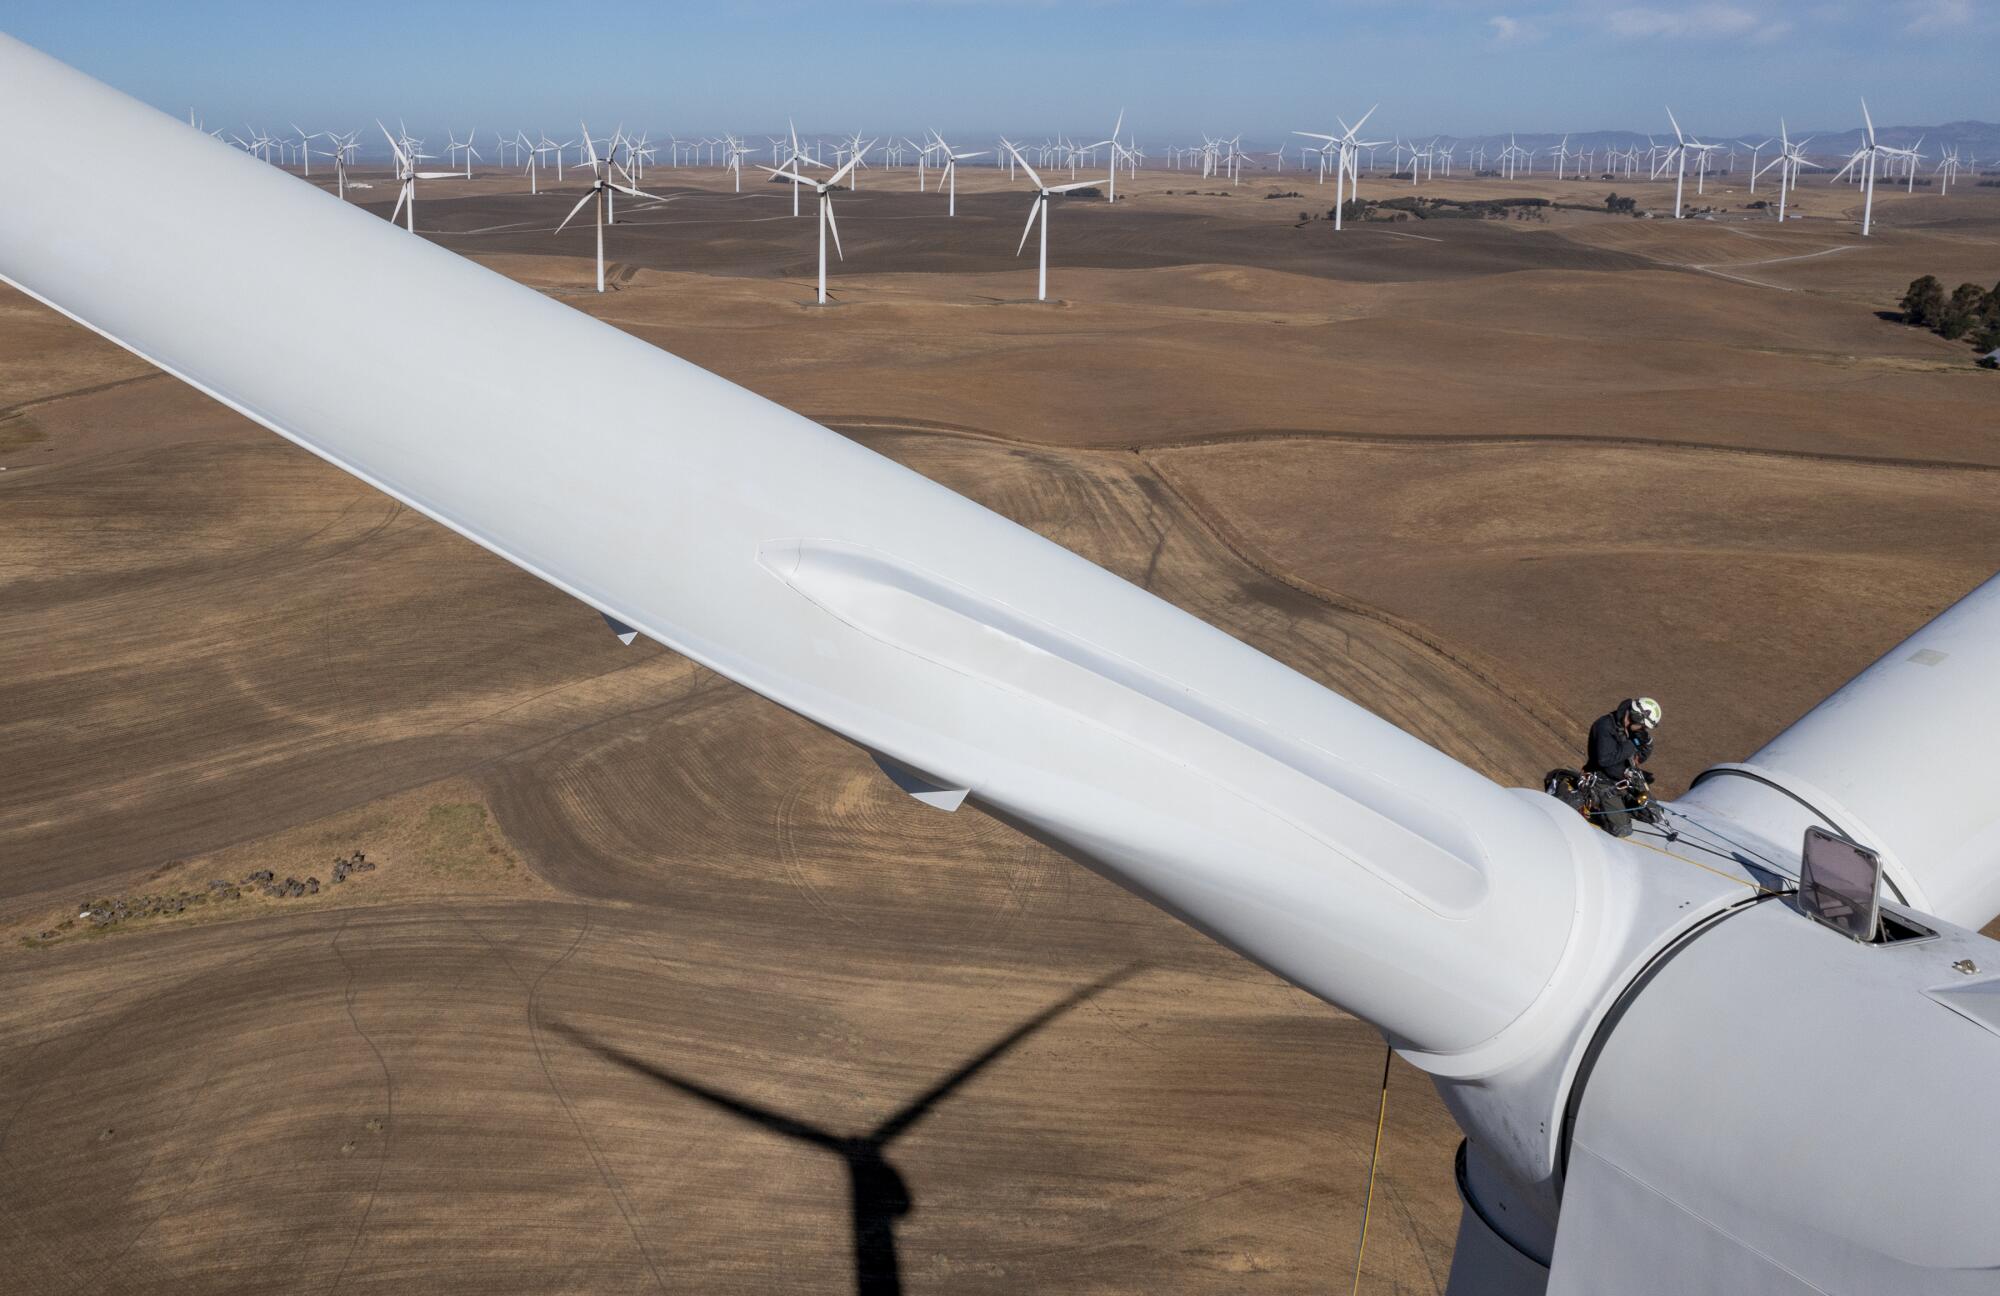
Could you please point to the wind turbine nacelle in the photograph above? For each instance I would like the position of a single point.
(1750, 1118)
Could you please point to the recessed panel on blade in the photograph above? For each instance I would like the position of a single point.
(1334, 806)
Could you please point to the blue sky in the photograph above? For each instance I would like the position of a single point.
(1032, 66)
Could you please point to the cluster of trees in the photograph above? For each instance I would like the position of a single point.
(1621, 206)
(1969, 312)
(1444, 209)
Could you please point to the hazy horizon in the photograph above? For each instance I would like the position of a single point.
(1437, 67)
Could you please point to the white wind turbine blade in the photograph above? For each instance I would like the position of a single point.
(832, 225)
(590, 147)
(1068, 188)
(788, 175)
(1865, 762)
(841, 174)
(580, 204)
(402, 163)
(637, 193)
(1034, 210)
(1023, 162)
(1870, 121)
(1287, 822)
(404, 196)
(438, 175)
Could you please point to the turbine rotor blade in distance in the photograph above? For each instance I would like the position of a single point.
(1032, 177)
(394, 147)
(588, 195)
(1034, 210)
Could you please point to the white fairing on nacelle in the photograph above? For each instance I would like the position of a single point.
(1296, 827)
(1781, 1110)
(1896, 759)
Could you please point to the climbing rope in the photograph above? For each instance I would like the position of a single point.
(1368, 1201)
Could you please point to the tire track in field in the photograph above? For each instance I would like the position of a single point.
(389, 1113)
(604, 1171)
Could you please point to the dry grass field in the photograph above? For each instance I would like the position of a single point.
(655, 987)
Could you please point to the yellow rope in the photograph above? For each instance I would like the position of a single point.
(1754, 886)
(1375, 1159)
(1368, 1202)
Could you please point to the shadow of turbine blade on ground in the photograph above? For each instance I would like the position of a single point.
(877, 1194)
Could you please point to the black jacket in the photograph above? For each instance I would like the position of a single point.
(1613, 751)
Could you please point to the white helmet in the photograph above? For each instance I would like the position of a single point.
(1646, 709)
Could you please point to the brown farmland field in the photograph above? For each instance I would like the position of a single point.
(1485, 477)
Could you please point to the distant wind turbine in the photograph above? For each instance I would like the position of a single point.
(524, 147)
(1040, 208)
(406, 171)
(1111, 178)
(950, 176)
(602, 187)
(827, 224)
(1755, 149)
(455, 146)
(1866, 158)
(1701, 150)
(1791, 157)
(343, 148)
(305, 148)
(1346, 150)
